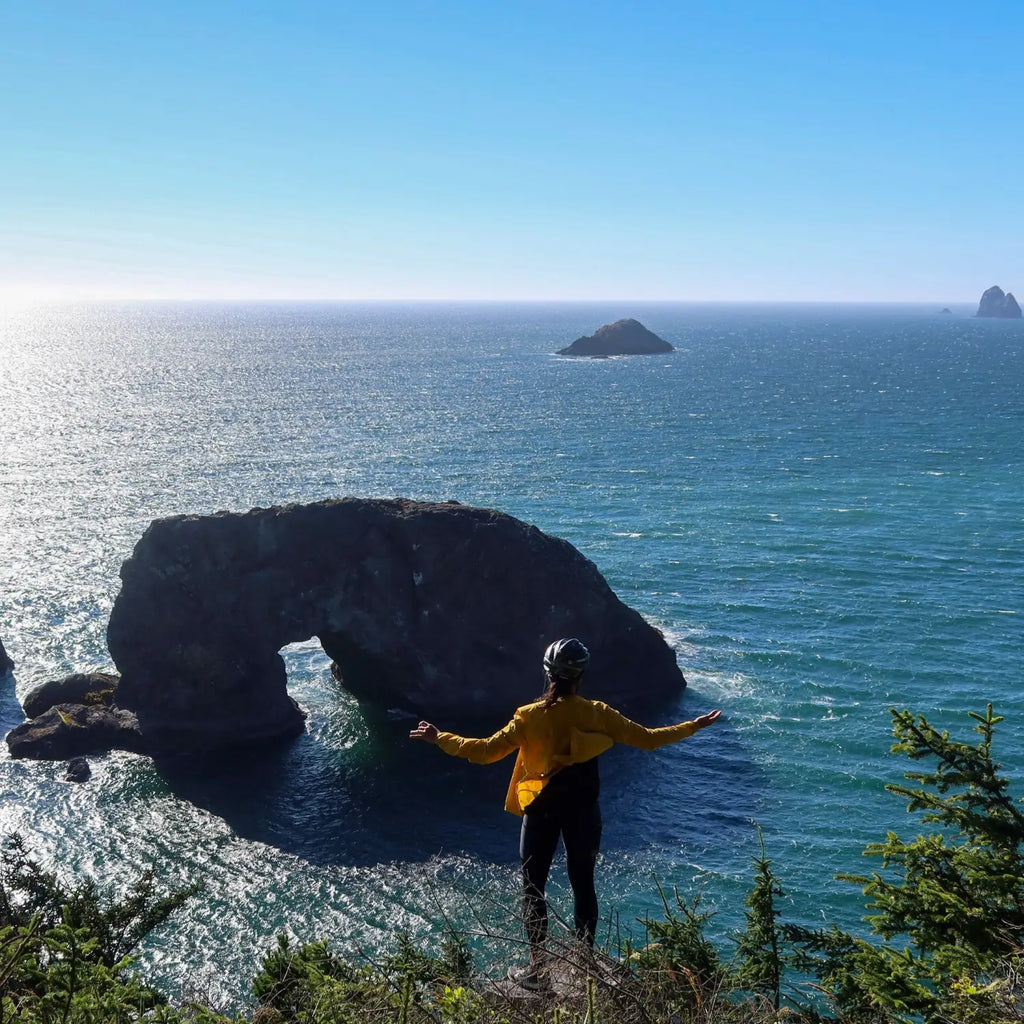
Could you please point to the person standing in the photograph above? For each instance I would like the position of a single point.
(555, 785)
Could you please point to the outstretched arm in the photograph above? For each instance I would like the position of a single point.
(480, 751)
(624, 730)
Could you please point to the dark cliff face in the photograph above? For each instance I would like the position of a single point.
(995, 303)
(441, 609)
(622, 338)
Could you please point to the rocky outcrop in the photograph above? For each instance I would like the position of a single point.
(74, 716)
(995, 303)
(72, 730)
(90, 688)
(622, 338)
(77, 770)
(441, 609)
(6, 662)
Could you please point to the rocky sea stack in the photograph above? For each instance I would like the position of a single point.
(438, 609)
(72, 717)
(74, 730)
(622, 338)
(996, 303)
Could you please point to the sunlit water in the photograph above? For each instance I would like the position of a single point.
(820, 506)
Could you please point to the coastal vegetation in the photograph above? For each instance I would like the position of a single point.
(943, 941)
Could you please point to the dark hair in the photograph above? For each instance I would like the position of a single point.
(559, 686)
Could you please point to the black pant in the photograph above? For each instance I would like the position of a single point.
(580, 829)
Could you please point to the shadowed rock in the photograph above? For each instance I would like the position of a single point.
(78, 770)
(6, 662)
(71, 730)
(441, 609)
(73, 716)
(994, 303)
(622, 338)
(89, 688)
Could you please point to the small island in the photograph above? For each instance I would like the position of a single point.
(622, 338)
(995, 303)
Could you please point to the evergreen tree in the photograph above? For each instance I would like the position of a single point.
(961, 888)
(758, 946)
(118, 923)
(950, 904)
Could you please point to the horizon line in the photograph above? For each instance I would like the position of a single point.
(13, 299)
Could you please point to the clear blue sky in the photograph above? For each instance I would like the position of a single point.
(513, 149)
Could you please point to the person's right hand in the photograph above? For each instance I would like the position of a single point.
(709, 719)
(424, 731)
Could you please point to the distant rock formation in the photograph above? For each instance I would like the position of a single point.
(995, 303)
(946, 311)
(6, 662)
(441, 609)
(622, 338)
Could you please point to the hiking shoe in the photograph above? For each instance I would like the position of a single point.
(529, 978)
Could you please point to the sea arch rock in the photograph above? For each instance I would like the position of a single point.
(438, 608)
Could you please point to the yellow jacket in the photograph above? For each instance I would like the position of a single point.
(572, 730)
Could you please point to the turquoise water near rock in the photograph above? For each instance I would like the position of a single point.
(821, 506)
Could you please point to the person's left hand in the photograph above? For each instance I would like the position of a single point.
(424, 731)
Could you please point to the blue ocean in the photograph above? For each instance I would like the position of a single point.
(821, 506)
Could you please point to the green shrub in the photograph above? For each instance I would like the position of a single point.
(310, 985)
(117, 924)
(678, 956)
(56, 977)
(295, 980)
(64, 949)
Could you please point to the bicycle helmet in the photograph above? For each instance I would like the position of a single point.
(566, 658)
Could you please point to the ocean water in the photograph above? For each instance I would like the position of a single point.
(821, 506)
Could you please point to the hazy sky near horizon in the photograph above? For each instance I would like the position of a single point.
(735, 149)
